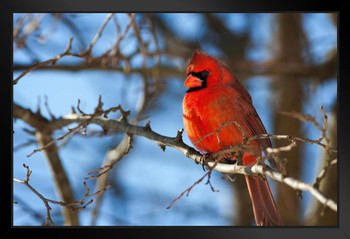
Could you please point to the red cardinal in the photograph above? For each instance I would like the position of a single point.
(214, 101)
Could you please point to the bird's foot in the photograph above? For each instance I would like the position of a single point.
(204, 160)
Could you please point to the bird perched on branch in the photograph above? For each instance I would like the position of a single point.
(218, 113)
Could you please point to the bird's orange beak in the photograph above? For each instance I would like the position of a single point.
(193, 81)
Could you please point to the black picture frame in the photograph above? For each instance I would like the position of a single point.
(8, 7)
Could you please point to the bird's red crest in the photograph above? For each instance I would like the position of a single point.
(202, 61)
(198, 57)
(195, 56)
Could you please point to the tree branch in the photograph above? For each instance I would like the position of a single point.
(44, 138)
(73, 206)
(178, 144)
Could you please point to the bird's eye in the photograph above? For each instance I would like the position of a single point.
(204, 74)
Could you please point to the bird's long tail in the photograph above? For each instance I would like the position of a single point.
(264, 206)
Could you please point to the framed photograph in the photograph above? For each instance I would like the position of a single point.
(219, 120)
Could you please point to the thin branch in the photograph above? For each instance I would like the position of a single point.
(164, 71)
(188, 190)
(323, 172)
(72, 206)
(70, 131)
(44, 137)
(98, 35)
(121, 151)
(85, 54)
(311, 119)
(47, 62)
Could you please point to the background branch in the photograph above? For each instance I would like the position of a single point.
(72, 207)
(43, 135)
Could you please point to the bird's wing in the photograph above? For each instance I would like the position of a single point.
(253, 120)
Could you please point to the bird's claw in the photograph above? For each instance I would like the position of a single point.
(205, 158)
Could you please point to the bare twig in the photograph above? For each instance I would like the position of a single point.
(47, 62)
(26, 183)
(216, 132)
(98, 35)
(85, 54)
(323, 172)
(312, 120)
(106, 168)
(82, 125)
(72, 206)
(294, 138)
(70, 131)
(188, 190)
